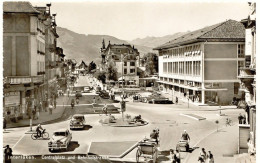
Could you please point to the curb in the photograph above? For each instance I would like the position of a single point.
(198, 119)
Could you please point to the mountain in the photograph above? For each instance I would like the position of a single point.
(87, 47)
(156, 41)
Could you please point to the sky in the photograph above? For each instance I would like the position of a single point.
(129, 20)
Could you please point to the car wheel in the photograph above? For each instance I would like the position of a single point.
(50, 150)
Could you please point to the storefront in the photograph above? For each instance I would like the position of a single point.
(12, 106)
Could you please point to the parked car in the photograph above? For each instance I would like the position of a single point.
(86, 89)
(156, 98)
(78, 94)
(98, 89)
(104, 94)
(60, 140)
(77, 121)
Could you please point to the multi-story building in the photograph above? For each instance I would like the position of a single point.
(247, 78)
(125, 57)
(204, 64)
(27, 43)
(24, 57)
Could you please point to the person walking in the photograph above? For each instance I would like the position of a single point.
(4, 123)
(94, 100)
(104, 109)
(210, 158)
(37, 113)
(173, 156)
(55, 103)
(176, 100)
(50, 108)
(178, 157)
(34, 113)
(8, 153)
(203, 154)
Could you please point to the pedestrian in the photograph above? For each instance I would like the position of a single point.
(203, 154)
(176, 100)
(178, 156)
(8, 153)
(94, 100)
(37, 113)
(173, 156)
(50, 109)
(55, 104)
(104, 109)
(4, 125)
(34, 113)
(240, 118)
(244, 119)
(210, 157)
(40, 106)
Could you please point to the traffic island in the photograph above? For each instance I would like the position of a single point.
(127, 121)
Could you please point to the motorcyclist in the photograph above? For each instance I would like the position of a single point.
(39, 130)
(185, 136)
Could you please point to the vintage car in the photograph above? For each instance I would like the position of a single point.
(60, 140)
(156, 98)
(86, 89)
(77, 121)
(104, 94)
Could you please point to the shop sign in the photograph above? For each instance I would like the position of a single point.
(12, 98)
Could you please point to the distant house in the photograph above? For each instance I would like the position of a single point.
(204, 64)
(125, 57)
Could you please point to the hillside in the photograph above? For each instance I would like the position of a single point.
(87, 47)
(156, 41)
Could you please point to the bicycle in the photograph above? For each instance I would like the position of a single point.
(44, 135)
(228, 122)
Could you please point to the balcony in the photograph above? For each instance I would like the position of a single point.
(246, 73)
(24, 79)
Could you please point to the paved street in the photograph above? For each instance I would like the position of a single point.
(168, 118)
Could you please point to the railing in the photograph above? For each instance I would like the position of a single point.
(24, 79)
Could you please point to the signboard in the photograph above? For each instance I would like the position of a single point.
(20, 80)
(12, 98)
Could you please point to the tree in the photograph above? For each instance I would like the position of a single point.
(151, 63)
(92, 66)
(112, 73)
(101, 75)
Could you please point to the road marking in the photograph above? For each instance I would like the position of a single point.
(56, 160)
(71, 161)
(18, 141)
(76, 105)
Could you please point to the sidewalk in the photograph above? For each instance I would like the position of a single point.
(223, 145)
(44, 116)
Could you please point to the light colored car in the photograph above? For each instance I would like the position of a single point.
(86, 89)
(77, 121)
(60, 140)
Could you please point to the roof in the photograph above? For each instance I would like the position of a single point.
(228, 30)
(78, 115)
(19, 7)
(61, 130)
(121, 46)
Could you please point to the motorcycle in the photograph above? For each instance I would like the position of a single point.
(44, 135)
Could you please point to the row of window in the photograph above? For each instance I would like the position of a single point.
(132, 70)
(194, 50)
(40, 47)
(131, 63)
(188, 68)
(183, 82)
(118, 57)
(40, 66)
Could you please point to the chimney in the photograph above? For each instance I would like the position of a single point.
(49, 8)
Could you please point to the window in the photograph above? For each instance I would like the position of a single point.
(241, 50)
(125, 71)
(132, 70)
(132, 63)
(240, 64)
(125, 63)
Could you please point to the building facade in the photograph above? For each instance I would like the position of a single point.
(26, 54)
(203, 65)
(247, 78)
(125, 58)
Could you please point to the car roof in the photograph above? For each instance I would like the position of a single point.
(61, 130)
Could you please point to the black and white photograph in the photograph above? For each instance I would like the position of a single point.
(134, 81)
